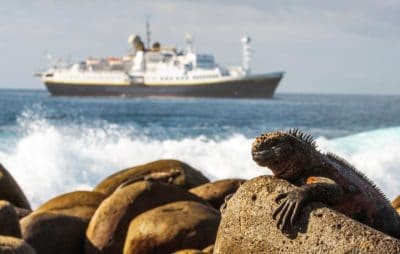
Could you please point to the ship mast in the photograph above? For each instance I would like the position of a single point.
(246, 53)
(189, 42)
(148, 34)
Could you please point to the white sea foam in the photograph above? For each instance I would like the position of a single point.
(375, 153)
(48, 160)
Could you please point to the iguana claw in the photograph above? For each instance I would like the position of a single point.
(289, 209)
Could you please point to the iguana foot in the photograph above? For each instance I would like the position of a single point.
(290, 208)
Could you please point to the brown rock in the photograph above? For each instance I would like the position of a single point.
(50, 233)
(189, 251)
(81, 204)
(59, 225)
(209, 249)
(247, 226)
(396, 204)
(11, 245)
(108, 227)
(9, 221)
(172, 171)
(216, 192)
(10, 190)
(172, 227)
(22, 212)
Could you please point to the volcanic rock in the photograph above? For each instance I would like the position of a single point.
(11, 245)
(171, 171)
(215, 192)
(396, 204)
(81, 204)
(59, 225)
(10, 190)
(247, 226)
(49, 232)
(172, 227)
(9, 221)
(108, 227)
(189, 251)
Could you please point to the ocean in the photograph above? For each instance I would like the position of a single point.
(53, 145)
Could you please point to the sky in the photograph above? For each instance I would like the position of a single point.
(342, 46)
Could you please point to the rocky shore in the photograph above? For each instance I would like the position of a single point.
(167, 206)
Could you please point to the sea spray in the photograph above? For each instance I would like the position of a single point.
(49, 160)
(375, 153)
(65, 145)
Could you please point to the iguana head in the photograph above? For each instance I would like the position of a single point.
(283, 152)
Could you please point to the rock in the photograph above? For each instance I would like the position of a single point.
(108, 227)
(396, 204)
(10, 190)
(22, 212)
(49, 232)
(247, 226)
(172, 171)
(172, 227)
(59, 225)
(209, 249)
(82, 204)
(216, 192)
(11, 245)
(189, 251)
(9, 221)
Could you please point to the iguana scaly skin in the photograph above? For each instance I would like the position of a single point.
(326, 178)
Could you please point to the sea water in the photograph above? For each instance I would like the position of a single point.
(53, 145)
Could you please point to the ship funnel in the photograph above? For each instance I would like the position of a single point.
(246, 53)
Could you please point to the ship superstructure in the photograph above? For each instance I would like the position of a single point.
(161, 71)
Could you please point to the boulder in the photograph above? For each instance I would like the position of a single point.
(209, 249)
(396, 204)
(188, 251)
(59, 225)
(81, 204)
(171, 171)
(49, 232)
(108, 227)
(9, 221)
(22, 212)
(10, 190)
(11, 245)
(172, 227)
(215, 192)
(247, 226)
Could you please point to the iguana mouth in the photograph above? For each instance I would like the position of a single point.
(263, 155)
(268, 153)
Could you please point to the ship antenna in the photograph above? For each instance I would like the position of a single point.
(246, 53)
(148, 33)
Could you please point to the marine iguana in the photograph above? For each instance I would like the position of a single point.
(327, 178)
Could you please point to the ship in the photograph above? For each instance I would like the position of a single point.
(160, 71)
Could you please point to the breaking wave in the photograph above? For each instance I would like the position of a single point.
(49, 159)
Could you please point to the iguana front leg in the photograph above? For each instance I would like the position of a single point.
(321, 189)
